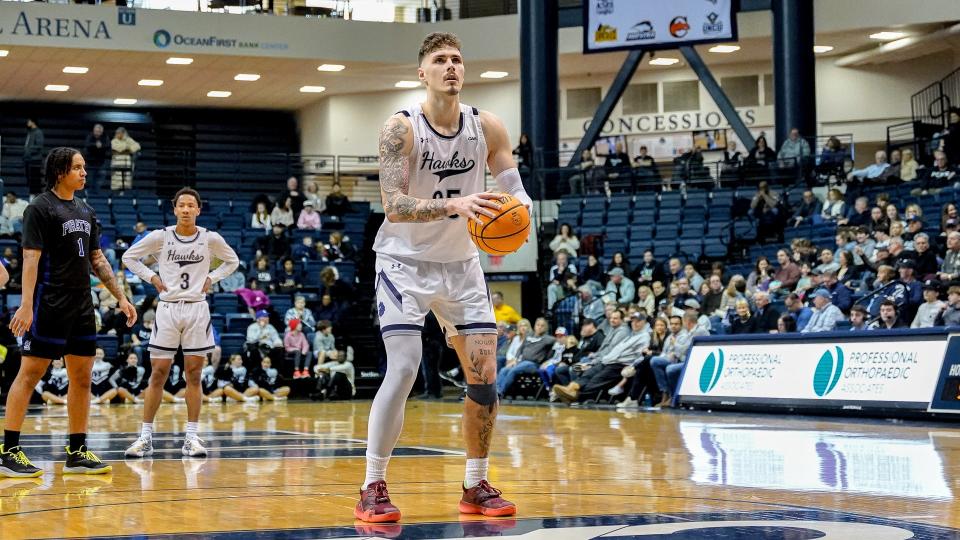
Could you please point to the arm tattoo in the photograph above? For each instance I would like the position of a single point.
(101, 267)
(395, 179)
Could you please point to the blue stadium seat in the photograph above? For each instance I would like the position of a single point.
(13, 301)
(664, 248)
(281, 303)
(231, 343)
(225, 303)
(715, 250)
(238, 322)
(110, 346)
(218, 321)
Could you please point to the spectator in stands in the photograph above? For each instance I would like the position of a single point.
(825, 315)
(96, 149)
(736, 289)
(950, 316)
(786, 325)
(592, 308)
(808, 208)
(619, 260)
(682, 292)
(563, 279)
(15, 281)
(297, 349)
(336, 378)
(703, 321)
(121, 164)
(761, 155)
(864, 247)
(795, 151)
(276, 246)
(809, 279)
(759, 279)
(588, 176)
(948, 212)
(693, 277)
(140, 336)
(950, 137)
(648, 271)
(337, 202)
(33, 157)
(832, 158)
(659, 291)
(309, 219)
(835, 208)
(908, 166)
(288, 279)
(942, 174)
(338, 248)
(893, 215)
(263, 340)
(802, 249)
(766, 315)
(743, 321)
(889, 320)
(714, 295)
(261, 218)
(799, 312)
(507, 339)
(330, 283)
(297, 197)
(765, 207)
(324, 342)
(11, 220)
(878, 220)
(888, 287)
(668, 366)
(328, 309)
(234, 281)
(606, 368)
(826, 262)
(645, 167)
(263, 276)
(913, 288)
(312, 193)
(860, 215)
(786, 277)
(565, 240)
(858, 318)
(840, 295)
(646, 300)
(617, 164)
(620, 288)
(503, 312)
(732, 160)
(925, 258)
(305, 250)
(593, 274)
(302, 313)
(524, 153)
(950, 271)
(931, 308)
(892, 174)
(676, 269)
(283, 213)
(872, 172)
(534, 350)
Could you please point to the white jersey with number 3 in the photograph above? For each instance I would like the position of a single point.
(184, 262)
(440, 167)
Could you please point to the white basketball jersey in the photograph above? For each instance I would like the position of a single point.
(184, 265)
(440, 167)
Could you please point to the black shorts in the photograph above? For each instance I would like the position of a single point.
(133, 389)
(174, 388)
(63, 323)
(206, 389)
(55, 390)
(99, 389)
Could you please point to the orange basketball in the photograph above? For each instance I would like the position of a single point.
(506, 231)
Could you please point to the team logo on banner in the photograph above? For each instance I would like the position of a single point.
(605, 32)
(679, 26)
(711, 371)
(713, 25)
(161, 38)
(604, 7)
(827, 374)
(641, 31)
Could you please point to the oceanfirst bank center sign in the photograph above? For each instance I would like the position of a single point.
(837, 371)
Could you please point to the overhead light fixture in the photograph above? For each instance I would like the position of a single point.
(150, 82)
(179, 61)
(246, 77)
(56, 87)
(4, 52)
(664, 61)
(820, 49)
(724, 48)
(312, 89)
(900, 43)
(124, 101)
(219, 93)
(888, 36)
(407, 84)
(76, 69)
(493, 74)
(331, 67)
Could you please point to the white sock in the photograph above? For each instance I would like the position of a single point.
(146, 432)
(476, 471)
(192, 430)
(376, 469)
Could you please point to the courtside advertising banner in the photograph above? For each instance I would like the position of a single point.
(848, 373)
(655, 24)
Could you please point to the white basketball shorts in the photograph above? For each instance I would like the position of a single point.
(181, 324)
(456, 293)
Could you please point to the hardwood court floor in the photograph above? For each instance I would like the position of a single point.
(292, 470)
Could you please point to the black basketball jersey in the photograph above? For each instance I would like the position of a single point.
(66, 232)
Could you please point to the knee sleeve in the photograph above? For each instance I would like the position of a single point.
(482, 394)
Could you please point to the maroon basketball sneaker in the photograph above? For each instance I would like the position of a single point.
(375, 506)
(486, 500)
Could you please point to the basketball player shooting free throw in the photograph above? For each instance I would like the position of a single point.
(432, 157)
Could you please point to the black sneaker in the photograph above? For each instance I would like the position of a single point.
(83, 461)
(15, 464)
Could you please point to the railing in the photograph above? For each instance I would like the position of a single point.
(929, 110)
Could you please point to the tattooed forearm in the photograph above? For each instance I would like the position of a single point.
(101, 268)
(395, 179)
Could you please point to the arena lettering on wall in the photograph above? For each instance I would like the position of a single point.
(654, 123)
(57, 27)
